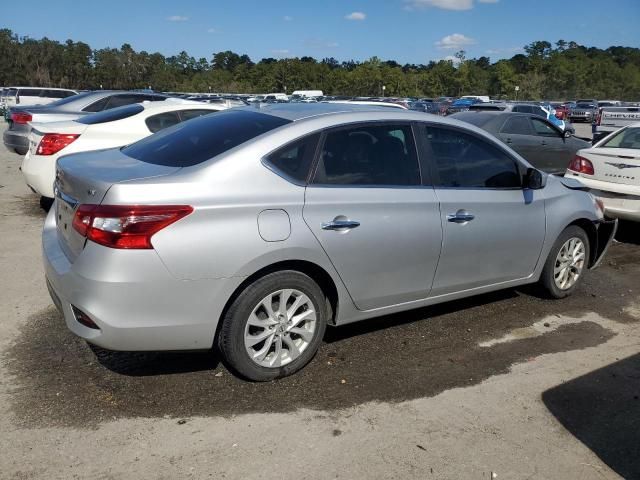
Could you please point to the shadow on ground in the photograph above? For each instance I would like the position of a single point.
(602, 410)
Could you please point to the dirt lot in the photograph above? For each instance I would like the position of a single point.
(509, 383)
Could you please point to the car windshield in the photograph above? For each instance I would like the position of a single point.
(203, 138)
(625, 138)
(585, 105)
(64, 101)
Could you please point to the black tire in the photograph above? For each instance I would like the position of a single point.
(547, 277)
(21, 151)
(230, 339)
(46, 203)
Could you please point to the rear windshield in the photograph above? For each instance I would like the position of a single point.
(626, 138)
(112, 115)
(203, 138)
(69, 99)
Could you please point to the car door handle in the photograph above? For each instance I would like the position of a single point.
(543, 142)
(340, 225)
(508, 140)
(461, 216)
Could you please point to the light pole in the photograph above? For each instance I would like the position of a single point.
(517, 90)
(383, 89)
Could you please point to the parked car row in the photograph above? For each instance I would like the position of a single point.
(181, 224)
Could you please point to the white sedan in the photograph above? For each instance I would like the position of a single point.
(611, 170)
(112, 128)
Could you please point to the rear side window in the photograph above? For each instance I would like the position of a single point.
(120, 100)
(523, 109)
(158, 122)
(111, 115)
(540, 112)
(294, 160)
(517, 125)
(97, 106)
(369, 155)
(193, 142)
(465, 161)
(57, 93)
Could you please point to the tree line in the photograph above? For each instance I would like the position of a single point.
(564, 70)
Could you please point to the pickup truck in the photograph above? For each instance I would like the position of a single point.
(610, 119)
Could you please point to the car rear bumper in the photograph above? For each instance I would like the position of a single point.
(39, 173)
(15, 141)
(618, 205)
(131, 297)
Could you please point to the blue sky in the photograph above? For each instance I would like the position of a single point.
(414, 31)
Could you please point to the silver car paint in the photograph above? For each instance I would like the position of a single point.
(172, 297)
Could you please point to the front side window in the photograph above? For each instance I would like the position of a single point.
(189, 114)
(120, 100)
(462, 160)
(369, 155)
(30, 92)
(543, 129)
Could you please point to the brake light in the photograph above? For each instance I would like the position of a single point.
(21, 117)
(125, 226)
(54, 142)
(599, 117)
(581, 165)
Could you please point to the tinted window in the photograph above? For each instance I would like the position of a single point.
(627, 138)
(111, 115)
(517, 125)
(463, 160)
(97, 106)
(56, 93)
(158, 122)
(29, 92)
(294, 160)
(543, 128)
(540, 112)
(523, 109)
(585, 105)
(189, 114)
(369, 155)
(120, 100)
(193, 142)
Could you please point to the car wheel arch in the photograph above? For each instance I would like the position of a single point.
(590, 229)
(312, 270)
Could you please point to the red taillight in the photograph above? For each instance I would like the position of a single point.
(599, 117)
(54, 142)
(581, 165)
(120, 226)
(21, 117)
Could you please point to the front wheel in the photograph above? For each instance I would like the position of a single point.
(274, 327)
(566, 263)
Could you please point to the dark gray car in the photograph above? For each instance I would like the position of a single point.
(540, 142)
(16, 137)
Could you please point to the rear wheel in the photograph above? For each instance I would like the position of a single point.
(566, 263)
(274, 327)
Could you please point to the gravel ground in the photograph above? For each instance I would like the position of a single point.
(509, 383)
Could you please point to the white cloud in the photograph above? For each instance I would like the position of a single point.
(177, 18)
(287, 18)
(443, 4)
(359, 16)
(455, 41)
(211, 30)
(452, 59)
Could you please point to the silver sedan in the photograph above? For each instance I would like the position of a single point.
(250, 230)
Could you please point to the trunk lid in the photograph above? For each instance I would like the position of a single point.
(85, 178)
(616, 165)
(38, 131)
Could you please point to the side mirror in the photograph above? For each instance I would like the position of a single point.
(567, 134)
(534, 179)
